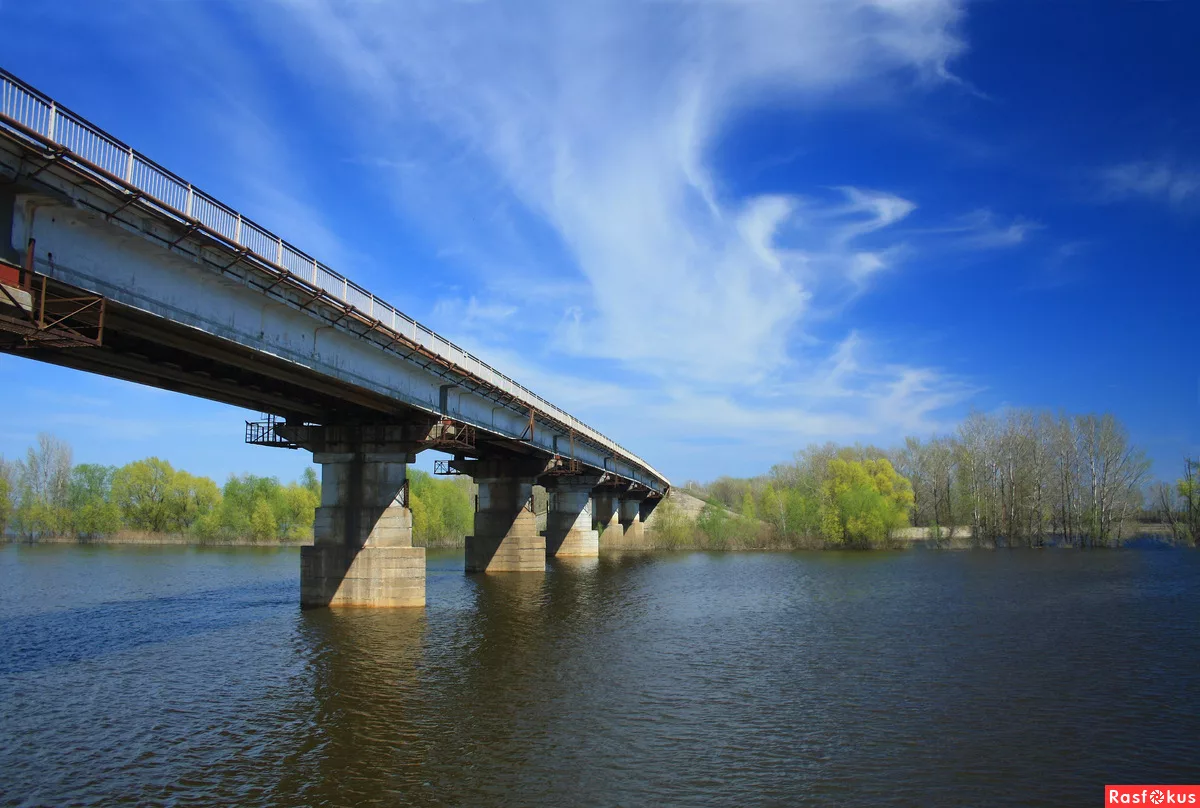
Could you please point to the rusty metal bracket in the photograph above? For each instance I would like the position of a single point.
(130, 199)
(241, 254)
(188, 230)
(52, 157)
(529, 427)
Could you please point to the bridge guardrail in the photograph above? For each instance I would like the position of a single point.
(57, 124)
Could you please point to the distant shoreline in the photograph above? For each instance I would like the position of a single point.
(914, 539)
(135, 538)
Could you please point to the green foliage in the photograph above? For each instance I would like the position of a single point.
(862, 501)
(263, 526)
(443, 511)
(6, 495)
(141, 491)
(96, 518)
(312, 482)
(717, 525)
(42, 483)
(297, 506)
(1188, 487)
(669, 528)
(748, 511)
(45, 495)
(803, 514)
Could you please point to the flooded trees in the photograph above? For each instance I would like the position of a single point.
(1021, 476)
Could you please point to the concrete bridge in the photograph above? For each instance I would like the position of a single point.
(112, 264)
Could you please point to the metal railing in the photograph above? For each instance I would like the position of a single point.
(41, 114)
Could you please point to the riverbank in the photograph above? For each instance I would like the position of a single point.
(959, 538)
(133, 537)
(140, 538)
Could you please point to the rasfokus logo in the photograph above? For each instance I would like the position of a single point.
(1152, 795)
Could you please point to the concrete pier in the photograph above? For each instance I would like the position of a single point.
(506, 537)
(608, 518)
(362, 553)
(569, 531)
(631, 523)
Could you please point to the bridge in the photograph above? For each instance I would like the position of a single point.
(112, 264)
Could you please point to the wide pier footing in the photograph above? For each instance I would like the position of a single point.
(369, 576)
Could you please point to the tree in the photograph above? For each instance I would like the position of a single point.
(863, 501)
(297, 509)
(773, 511)
(93, 512)
(189, 498)
(142, 491)
(263, 526)
(239, 499)
(748, 511)
(715, 523)
(312, 482)
(43, 486)
(6, 495)
(1188, 487)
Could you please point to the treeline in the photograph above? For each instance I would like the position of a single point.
(1178, 505)
(1024, 477)
(838, 497)
(1021, 478)
(45, 494)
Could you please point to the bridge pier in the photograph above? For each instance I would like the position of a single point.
(608, 518)
(506, 537)
(569, 530)
(362, 553)
(632, 534)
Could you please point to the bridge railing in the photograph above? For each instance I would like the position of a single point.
(57, 124)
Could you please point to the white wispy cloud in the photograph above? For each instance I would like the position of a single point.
(1161, 181)
(565, 151)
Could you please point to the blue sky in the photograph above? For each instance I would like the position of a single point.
(717, 232)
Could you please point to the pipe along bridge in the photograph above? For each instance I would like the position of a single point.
(112, 264)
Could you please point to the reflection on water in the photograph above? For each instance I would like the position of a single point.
(171, 676)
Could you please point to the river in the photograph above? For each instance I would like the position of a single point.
(189, 676)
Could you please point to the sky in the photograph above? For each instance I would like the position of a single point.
(717, 232)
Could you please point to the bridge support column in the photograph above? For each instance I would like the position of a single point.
(506, 537)
(631, 523)
(362, 553)
(569, 531)
(608, 518)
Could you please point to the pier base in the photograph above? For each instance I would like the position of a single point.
(362, 553)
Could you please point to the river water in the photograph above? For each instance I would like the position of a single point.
(188, 676)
